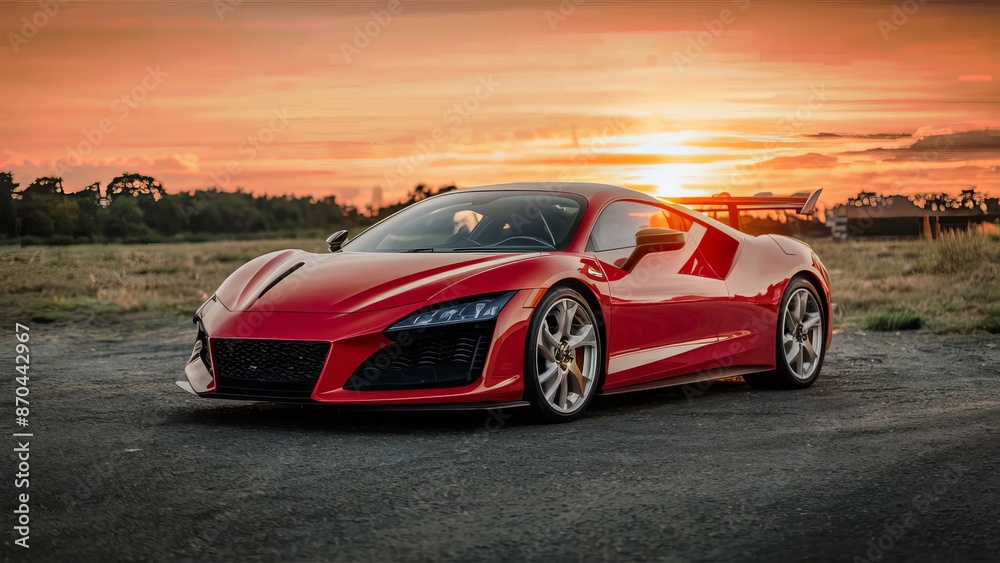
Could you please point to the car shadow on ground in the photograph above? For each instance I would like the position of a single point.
(326, 418)
(687, 394)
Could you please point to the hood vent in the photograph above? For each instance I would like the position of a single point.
(278, 279)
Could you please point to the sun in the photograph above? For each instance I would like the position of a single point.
(672, 179)
(683, 161)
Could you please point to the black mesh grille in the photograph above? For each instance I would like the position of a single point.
(268, 368)
(440, 358)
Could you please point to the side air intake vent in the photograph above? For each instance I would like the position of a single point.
(444, 357)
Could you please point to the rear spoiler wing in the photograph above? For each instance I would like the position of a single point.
(801, 203)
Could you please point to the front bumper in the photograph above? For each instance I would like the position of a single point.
(354, 338)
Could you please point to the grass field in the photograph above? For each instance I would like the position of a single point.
(949, 284)
(87, 281)
(946, 285)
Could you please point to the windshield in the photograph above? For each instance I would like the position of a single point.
(477, 221)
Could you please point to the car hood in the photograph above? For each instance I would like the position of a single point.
(350, 282)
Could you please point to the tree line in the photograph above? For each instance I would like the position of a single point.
(135, 208)
(967, 199)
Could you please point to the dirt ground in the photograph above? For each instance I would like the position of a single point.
(893, 455)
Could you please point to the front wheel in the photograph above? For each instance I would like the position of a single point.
(800, 345)
(563, 356)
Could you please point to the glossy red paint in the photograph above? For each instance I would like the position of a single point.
(712, 305)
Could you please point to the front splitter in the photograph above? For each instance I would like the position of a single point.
(438, 407)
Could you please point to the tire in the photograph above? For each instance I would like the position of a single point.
(563, 360)
(800, 340)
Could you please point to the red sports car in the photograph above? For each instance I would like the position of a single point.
(539, 295)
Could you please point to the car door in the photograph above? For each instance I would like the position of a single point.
(665, 313)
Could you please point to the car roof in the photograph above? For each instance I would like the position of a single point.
(601, 194)
(586, 189)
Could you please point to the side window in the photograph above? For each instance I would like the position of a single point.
(621, 220)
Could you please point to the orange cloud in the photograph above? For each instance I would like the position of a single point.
(808, 160)
(742, 102)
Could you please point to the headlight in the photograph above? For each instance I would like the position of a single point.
(465, 311)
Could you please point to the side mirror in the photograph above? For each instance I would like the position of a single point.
(648, 241)
(336, 240)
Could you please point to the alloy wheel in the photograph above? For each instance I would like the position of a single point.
(802, 333)
(567, 355)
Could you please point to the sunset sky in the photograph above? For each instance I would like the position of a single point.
(667, 97)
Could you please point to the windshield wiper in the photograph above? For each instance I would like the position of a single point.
(502, 249)
(419, 250)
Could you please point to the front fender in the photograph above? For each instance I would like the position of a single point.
(537, 273)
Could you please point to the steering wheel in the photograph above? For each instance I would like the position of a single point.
(459, 238)
(532, 239)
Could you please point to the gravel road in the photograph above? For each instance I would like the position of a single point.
(893, 455)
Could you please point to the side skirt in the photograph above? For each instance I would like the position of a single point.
(688, 379)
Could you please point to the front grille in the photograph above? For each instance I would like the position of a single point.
(446, 357)
(268, 368)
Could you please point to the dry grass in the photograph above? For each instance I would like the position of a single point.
(948, 284)
(951, 284)
(78, 282)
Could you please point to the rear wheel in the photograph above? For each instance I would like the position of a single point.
(800, 344)
(563, 356)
